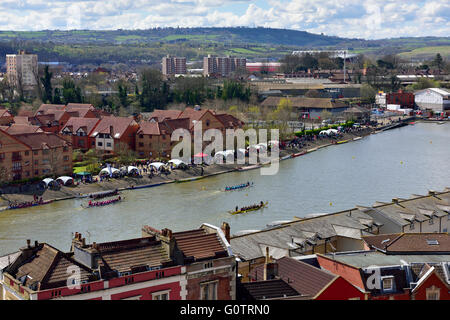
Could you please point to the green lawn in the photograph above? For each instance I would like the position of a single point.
(426, 52)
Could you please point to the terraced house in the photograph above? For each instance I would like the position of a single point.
(161, 265)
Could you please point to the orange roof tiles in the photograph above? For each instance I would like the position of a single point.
(199, 244)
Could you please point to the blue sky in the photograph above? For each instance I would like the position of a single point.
(370, 19)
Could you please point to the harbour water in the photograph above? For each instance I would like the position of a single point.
(396, 163)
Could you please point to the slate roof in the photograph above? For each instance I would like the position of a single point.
(304, 278)
(364, 259)
(199, 244)
(417, 208)
(269, 289)
(46, 268)
(290, 235)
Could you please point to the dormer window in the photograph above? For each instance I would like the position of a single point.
(388, 283)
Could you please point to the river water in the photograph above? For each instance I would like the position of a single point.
(396, 163)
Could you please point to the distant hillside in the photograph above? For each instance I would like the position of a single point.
(171, 35)
(149, 46)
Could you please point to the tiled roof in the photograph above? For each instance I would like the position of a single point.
(172, 124)
(16, 129)
(304, 278)
(150, 128)
(77, 106)
(199, 244)
(268, 289)
(21, 120)
(40, 139)
(76, 123)
(46, 268)
(420, 242)
(119, 125)
(124, 255)
(164, 114)
(380, 241)
(228, 120)
(46, 108)
(4, 113)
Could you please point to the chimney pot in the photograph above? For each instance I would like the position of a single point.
(83, 241)
(226, 230)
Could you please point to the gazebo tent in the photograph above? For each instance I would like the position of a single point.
(106, 171)
(49, 181)
(176, 162)
(65, 180)
(157, 165)
(132, 168)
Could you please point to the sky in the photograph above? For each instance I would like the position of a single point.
(370, 19)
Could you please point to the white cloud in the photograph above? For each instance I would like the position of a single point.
(372, 19)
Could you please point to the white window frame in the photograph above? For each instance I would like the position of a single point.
(157, 294)
(133, 298)
(211, 291)
(392, 283)
(433, 290)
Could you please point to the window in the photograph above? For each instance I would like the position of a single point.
(141, 144)
(45, 151)
(100, 144)
(66, 158)
(433, 293)
(35, 153)
(36, 172)
(36, 162)
(388, 283)
(65, 149)
(209, 290)
(161, 295)
(27, 153)
(141, 136)
(208, 265)
(108, 144)
(45, 161)
(207, 123)
(2, 156)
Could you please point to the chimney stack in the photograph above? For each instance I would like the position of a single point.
(395, 200)
(270, 268)
(83, 242)
(28, 243)
(432, 193)
(226, 230)
(36, 244)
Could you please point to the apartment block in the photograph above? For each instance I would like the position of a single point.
(222, 66)
(22, 69)
(173, 65)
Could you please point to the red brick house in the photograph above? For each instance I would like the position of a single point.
(310, 282)
(390, 277)
(206, 254)
(80, 131)
(153, 139)
(6, 118)
(135, 269)
(111, 132)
